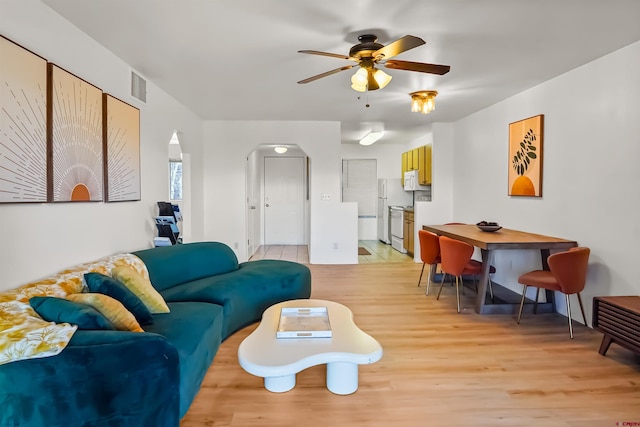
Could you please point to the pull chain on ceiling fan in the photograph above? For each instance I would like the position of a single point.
(369, 53)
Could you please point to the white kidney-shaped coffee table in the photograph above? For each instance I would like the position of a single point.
(278, 360)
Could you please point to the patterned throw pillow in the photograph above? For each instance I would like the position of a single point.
(24, 334)
(60, 310)
(142, 288)
(110, 308)
(102, 284)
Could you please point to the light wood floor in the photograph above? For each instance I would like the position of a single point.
(439, 368)
(379, 252)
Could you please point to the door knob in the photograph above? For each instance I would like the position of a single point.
(267, 205)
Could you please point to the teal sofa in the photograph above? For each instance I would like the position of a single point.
(117, 378)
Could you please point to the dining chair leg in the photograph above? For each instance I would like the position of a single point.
(566, 296)
(569, 315)
(458, 294)
(441, 285)
(421, 272)
(491, 290)
(426, 292)
(524, 293)
(535, 304)
(582, 309)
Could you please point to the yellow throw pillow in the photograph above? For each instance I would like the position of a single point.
(110, 308)
(142, 288)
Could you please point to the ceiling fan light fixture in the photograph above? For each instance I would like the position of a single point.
(359, 87)
(382, 78)
(359, 80)
(423, 101)
(371, 137)
(280, 149)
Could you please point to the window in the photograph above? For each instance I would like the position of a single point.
(175, 180)
(360, 184)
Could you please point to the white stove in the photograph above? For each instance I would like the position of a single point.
(396, 219)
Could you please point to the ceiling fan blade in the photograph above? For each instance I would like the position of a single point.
(325, 74)
(397, 47)
(418, 66)
(332, 55)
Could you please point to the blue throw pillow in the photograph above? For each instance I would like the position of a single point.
(106, 285)
(60, 310)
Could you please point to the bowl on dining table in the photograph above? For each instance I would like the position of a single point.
(488, 226)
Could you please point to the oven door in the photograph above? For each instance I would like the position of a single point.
(397, 222)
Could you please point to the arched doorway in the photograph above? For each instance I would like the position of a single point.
(277, 200)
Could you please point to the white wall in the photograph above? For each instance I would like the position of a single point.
(226, 147)
(590, 172)
(40, 239)
(439, 209)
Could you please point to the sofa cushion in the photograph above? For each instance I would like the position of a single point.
(110, 308)
(142, 288)
(101, 379)
(246, 293)
(170, 266)
(60, 310)
(102, 284)
(195, 330)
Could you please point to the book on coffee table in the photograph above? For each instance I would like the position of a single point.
(304, 322)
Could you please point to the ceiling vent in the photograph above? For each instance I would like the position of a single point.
(138, 87)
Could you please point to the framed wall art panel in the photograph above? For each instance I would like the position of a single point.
(525, 157)
(75, 138)
(121, 150)
(23, 125)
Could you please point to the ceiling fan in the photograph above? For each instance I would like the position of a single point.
(368, 53)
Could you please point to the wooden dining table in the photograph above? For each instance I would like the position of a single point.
(501, 240)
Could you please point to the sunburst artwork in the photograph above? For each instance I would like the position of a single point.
(76, 166)
(23, 118)
(122, 150)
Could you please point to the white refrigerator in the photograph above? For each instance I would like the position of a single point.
(390, 193)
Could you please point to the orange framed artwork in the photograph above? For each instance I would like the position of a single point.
(525, 157)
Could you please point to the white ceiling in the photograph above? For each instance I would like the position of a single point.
(237, 59)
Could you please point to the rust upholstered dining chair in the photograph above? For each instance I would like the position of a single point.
(568, 274)
(456, 260)
(429, 253)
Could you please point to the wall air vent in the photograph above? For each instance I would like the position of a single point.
(138, 87)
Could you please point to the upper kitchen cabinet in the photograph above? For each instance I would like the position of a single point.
(405, 165)
(418, 159)
(424, 160)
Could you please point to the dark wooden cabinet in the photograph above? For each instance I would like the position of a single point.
(618, 318)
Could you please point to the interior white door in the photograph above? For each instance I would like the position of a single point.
(283, 200)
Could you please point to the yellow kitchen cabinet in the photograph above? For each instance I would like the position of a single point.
(405, 165)
(416, 159)
(424, 162)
